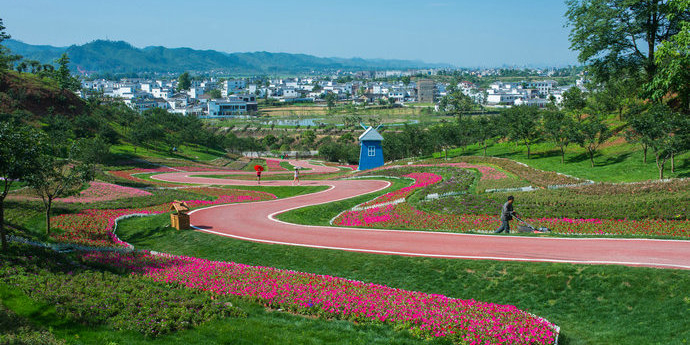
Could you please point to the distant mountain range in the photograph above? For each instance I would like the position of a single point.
(104, 56)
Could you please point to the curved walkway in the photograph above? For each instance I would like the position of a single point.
(256, 222)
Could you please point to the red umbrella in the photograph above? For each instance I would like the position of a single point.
(258, 167)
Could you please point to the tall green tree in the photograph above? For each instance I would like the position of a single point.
(522, 123)
(6, 57)
(63, 76)
(574, 100)
(673, 59)
(184, 82)
(53, 178)
(20, 147)
(455, 102)
(331, 100)
(620, 37)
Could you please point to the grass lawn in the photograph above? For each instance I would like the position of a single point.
(592, 304)
(193, 153)
(615, 163)
(322, 214)
(283, 191)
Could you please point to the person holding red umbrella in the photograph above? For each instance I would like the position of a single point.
(258, 169)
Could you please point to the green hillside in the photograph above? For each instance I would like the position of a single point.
(121, 57)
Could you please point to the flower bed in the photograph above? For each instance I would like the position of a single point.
(96, 297)
(129, 175)
(103, 191)
(274, 165)
(426, 315)
(94, 227)
(535, 176)
(421, 180)
(487, 172)
(405, 216)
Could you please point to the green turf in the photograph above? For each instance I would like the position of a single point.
(615, 163)
(193, 152)
(592, 304)
(322, 214)
(283, 191)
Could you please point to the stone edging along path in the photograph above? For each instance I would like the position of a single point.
(256, 222)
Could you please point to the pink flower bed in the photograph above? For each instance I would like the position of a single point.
(487, 172)
(426, 315)
(405, 216)
(421, 180)
(103, 191)
(95, 227)
(274, 165)
(352, 166)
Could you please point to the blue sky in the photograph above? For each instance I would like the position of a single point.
(463, 33)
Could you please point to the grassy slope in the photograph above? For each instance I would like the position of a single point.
(592, 304)
(620, 162)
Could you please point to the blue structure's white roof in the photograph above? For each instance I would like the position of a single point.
(371, 135)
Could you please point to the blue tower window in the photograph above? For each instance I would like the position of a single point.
(371, 151)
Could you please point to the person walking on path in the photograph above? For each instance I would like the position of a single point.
(258, 176)
(507, 214)
(296, 179)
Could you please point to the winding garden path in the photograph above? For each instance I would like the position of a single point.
(256, 222)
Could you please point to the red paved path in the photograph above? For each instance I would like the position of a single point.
(255, 222)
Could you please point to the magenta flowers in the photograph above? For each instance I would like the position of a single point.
(95, 227)
(427, 315)
(274, 165)
(405, 216)
(103, 191)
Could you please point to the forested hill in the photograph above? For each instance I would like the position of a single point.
(121, 57)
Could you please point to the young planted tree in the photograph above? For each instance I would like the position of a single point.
(522, 124)
(486, 128)
(642, 129)
(53, 178)
(558, 128)
(19, 148)
(668, 135)
(590, 134)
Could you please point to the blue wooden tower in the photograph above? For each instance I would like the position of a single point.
(370, 153)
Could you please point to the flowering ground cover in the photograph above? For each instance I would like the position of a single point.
(130, 173)
(95, 297)
(534, 176)
(103, 191)
(487, 172)
(18, 330)
(274, 165)
(406, 216)
(421, 180)
(426, 315)
(93, 227)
